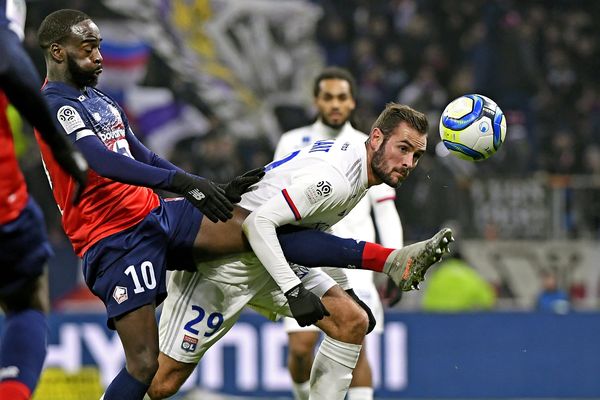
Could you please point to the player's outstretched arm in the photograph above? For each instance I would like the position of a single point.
(20, 82)
(202, 193)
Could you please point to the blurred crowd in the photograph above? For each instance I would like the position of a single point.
(539, 60)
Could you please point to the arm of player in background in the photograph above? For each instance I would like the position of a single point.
(290, 206)
(389, 228)
(385, 215)
(20, 82)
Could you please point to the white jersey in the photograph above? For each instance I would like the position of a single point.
(358, 223)
(314, 187)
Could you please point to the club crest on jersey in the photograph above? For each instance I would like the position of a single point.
(120, 294)
(189, 343)
(318, 191)
(70, 119)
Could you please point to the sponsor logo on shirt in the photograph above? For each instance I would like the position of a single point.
(189, 343)
(70, 119)
(120, 294)
(317, 192)
(116, 134)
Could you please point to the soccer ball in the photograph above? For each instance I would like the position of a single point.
(472, 127)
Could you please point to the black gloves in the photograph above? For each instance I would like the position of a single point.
(205, 195)
(240, 184)
(306, 306)
(372, 320)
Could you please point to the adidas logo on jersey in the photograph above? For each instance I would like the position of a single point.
(197, 194)
(294, 292)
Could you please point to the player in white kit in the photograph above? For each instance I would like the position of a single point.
(313, 188)
(334, 99)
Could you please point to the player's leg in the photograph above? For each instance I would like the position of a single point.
(338, 353)
(361, 387)
(199, 311)
(406, 266)
(345, 330)
(24, 250)
(127, 271)
(24, 337)
(138, 332)
(301, 348)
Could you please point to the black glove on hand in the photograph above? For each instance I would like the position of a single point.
(204, 195)
(392, 293)
(240, 184)
(372, 320)
(73, 163)
(306, 306)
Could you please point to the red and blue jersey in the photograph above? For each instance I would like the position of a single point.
(13, 190)
(106, 206)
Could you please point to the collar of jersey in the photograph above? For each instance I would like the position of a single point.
(327, 131)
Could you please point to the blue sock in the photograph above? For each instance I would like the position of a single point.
(23, 345)
(312, 248)
(125, 387)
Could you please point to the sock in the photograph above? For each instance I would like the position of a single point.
(14, 390)
(301, 390)
(312, 248)
(23, 348)
(331, 372)
(125, 387)
(360, 393)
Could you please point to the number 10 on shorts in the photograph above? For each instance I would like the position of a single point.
(147, 273)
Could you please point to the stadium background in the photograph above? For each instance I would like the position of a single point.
(212, 84)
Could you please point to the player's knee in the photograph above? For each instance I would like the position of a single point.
(301, 349)
(143, 366)
(352, 323)
(359, 323)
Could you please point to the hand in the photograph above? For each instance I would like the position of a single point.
(204, 195)
(240, 184)
(74, 164)
(372, 320)
(392, 293)
(306, 306)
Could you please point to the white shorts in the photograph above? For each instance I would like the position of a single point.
(365, 290)
(203, 306)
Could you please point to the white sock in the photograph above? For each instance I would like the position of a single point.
(301, 390)
(331, 372)
(360, 393)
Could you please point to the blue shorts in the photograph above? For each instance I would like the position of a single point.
(24, 249)
(127, 270)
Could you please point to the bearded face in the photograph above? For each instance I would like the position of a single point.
(397, 155)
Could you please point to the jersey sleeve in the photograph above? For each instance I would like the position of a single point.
(313, 191)
(70, 116)
(387, 221)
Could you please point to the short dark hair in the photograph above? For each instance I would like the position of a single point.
(335, 73)
(57, 26)
(395, 113)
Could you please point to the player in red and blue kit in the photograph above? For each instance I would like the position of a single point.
(24, 247)
(127, 236)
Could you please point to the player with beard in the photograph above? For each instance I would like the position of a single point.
(334, 98)
(128, 236)
(314, 187)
